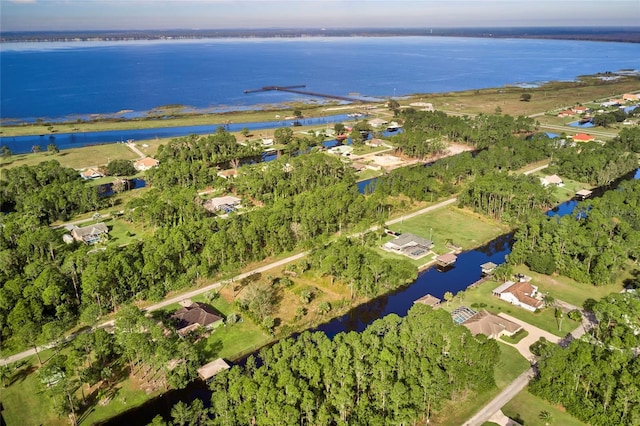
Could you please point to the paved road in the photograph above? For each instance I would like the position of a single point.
(568, 129)
(503, 397)
(164, 303)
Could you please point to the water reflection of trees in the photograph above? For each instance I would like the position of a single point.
(502, 243)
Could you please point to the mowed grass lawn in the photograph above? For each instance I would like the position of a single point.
(76, 158)
(571, 291)
(509, 366)
(525, 408)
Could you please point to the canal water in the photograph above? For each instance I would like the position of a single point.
(23, 144)
(465, 272)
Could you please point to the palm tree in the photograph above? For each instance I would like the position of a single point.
(545, 416)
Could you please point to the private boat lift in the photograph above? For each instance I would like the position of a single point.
(446, 260)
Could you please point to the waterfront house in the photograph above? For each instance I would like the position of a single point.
(194, 316)
(566, 113)
(520, 293)
(583, 137)
(89, 234)
(491, 325)
(145, 164)
(552, 180)
(409, 245)
(91, 174)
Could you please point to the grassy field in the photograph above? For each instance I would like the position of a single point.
(570, 291)
(509, 366)
(76, 158)
(525, 408)
(464, 227)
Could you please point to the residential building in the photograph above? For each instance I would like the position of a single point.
(409, 245)
(583, 137)
(226, 203)
(89, 234)
(194, 316)
(520, 293)
(491, 325)
(552, 180)
(91, 174)
(145, 164)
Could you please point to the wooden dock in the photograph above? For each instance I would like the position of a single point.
(294, 89)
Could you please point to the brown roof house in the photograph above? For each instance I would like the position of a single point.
(90, 234)
(552, 180)
(196, 315)
(91, 174)
(521, 294)
(145, 164)
(490, 325)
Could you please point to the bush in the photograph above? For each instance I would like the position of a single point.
(575, 315)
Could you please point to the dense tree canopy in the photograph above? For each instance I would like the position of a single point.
(597, 379)
(588, 247)
(399, 370)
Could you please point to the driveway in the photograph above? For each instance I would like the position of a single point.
(535, 334)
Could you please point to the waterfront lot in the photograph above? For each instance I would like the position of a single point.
(460, 226)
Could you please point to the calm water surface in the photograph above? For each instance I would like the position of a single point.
(53, 80)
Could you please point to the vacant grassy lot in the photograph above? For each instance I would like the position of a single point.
(76, 158)
(525, 408)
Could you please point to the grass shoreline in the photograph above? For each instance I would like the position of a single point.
(546, 97)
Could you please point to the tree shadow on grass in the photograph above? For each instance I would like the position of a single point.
(22, 373)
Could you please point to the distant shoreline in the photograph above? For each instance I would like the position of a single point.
(609, 34)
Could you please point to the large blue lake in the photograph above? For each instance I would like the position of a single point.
(54, 80)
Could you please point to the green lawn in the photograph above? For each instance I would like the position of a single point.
(463, 227)
(570, 291)
(509, 366)
(521, 334)
(25, 401)
(76, 158)
(527, 407)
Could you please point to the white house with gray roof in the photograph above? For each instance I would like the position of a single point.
(409, 245)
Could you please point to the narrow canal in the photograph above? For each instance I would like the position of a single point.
(23, 144)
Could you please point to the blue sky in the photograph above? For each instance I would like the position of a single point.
(24, 15)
